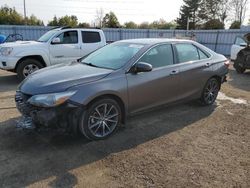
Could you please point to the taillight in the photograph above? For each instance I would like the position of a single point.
(227, 63)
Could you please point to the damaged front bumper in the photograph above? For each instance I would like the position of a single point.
(60, 117)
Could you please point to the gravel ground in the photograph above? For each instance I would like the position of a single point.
(185, 145)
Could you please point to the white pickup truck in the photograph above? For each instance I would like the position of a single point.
(60, 45)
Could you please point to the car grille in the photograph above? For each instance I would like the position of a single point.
(21, 103)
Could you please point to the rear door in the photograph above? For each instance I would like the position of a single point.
(159, 86)
(91, 41)
(195, 69)
(67, 50)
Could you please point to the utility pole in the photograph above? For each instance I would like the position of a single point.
(188, 23)
(24, 10)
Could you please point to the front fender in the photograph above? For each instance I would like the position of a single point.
(116, 86)
(37, 52)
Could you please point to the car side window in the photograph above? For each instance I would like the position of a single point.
(90, 37)
(187, 52)
(69, 37)
(239, 41)
(202, 55)
(159, 56)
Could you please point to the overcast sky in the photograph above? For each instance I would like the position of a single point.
(126, 10)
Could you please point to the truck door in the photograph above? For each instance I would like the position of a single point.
(67, 50)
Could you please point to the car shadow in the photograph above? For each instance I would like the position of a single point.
(8, 83)
(240, 81)
(29, 157)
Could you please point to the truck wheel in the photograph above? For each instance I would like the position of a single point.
(26, 67)
(239, 69)
(100, 119)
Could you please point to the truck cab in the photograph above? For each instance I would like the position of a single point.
(60, 45)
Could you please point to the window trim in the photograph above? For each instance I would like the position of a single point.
(194, 61)
(82, 31)
(65, 32)
(156, 45)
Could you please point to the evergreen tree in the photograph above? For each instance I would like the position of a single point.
(188, 11)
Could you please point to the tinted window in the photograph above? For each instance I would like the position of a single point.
(90, 37)
(187, 52)
(69, 37)
(159, 56)
(202, 54)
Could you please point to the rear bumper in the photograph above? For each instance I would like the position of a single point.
(8, 63)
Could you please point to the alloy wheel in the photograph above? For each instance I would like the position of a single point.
(103, 120)
(211, 91)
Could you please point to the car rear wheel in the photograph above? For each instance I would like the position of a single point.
(100, 119)
(26, 67)
(210, 91)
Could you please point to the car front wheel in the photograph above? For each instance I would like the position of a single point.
(100, 119)
(210, 91)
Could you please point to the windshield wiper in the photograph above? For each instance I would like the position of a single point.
(90, 64)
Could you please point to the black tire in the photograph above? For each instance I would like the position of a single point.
(24, 64)
(239, 69)
(210, 92)
(90, 116)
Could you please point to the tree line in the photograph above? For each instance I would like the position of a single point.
(211, 14)
(194, 14)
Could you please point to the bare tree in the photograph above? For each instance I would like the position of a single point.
(239, 8)
(99, 17)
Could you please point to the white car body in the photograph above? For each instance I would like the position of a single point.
(51, 53)
(239, 44)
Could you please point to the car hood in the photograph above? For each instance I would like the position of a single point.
(21, 44)
(61, 77)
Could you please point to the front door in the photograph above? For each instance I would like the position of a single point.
(67, 50)
(149, 89)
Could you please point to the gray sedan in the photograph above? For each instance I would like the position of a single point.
(95, 95)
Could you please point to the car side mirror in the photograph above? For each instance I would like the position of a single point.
(142, 67)
(56, 40)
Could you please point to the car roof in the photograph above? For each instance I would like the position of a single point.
(81, 29)
(152, 41)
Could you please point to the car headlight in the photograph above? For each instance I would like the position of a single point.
(50, 100)
(5, 51)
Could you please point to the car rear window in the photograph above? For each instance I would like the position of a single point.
(90, 37)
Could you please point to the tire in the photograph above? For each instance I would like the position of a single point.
(239, 69)
(94, 125)
(26, 67)
(210, 92)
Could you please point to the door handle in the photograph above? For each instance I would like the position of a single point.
(173, 72)
(207, 65)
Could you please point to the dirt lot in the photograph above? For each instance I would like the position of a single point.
(178, 146)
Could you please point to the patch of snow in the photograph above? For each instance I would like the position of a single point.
(222, 96)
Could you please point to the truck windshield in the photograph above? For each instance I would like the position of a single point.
(112, 56)
(47, 36)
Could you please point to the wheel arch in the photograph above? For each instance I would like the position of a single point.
(218, 78)
(36, 57)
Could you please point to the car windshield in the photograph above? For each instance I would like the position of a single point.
(47, 36)
(112, 56)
